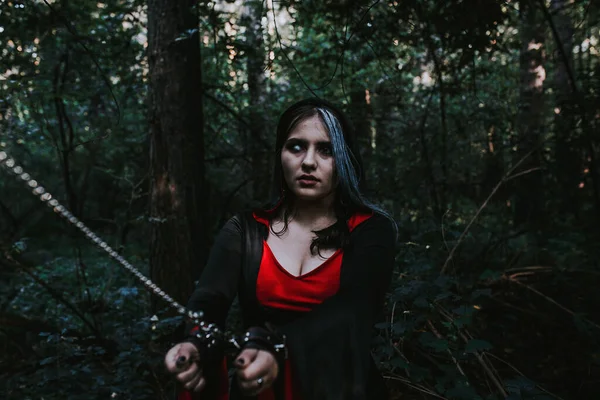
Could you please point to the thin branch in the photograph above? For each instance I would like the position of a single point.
(520, 373)
(340, 59)
(285, 54)
(551, 300)
(439, 336)
(394, 346)
(444, 232)
(54, 293)
(535, 314)
(518, 274)
(530, 268)
(488, 370)
(415, 386)
(522, 173)
(485, 203)
(77, 38)
(227, 108)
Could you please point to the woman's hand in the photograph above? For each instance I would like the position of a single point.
(256, 371)
(182, 361)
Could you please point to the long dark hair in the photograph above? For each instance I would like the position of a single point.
(349, 172)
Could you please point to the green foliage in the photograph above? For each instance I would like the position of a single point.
(72, 359)
(434, 91)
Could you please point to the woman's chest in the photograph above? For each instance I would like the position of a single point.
(293, 252)
(291, 278)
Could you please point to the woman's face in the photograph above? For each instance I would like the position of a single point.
(307, 161)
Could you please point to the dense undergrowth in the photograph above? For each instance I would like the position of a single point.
(513, 316)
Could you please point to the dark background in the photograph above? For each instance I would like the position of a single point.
(154, 122)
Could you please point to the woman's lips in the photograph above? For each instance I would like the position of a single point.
(307, 182)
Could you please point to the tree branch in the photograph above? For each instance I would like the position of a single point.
(54, 293)
(506, 178)
(551, 300)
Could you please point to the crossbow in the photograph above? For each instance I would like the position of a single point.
(208, 333)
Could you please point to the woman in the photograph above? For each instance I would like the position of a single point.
(312, 268)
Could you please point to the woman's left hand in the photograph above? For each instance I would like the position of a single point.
(256, 371)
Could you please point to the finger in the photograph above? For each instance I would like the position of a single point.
(193, 382)
(248, 387)
(254, 387)
(246, 357)
(264, 366)
(258, 375)
(182, 361)
(180, 357)
(192, 372)
(171, 359)
(201, 384)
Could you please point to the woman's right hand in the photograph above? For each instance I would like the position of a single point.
(182, 361)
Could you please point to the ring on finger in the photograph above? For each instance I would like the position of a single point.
(260, 381)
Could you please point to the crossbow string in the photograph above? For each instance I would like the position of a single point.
(210, 333)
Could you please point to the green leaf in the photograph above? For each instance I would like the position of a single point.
(464, 310)
(477, 345)
(428, 339)
(462, 392)
(398, 362)
(481, 292)
(382, 325)
(488, 274)
(443, 296)
(399, 328)
(421, 301)
(48, 360)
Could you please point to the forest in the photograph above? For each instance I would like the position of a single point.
(151, 123)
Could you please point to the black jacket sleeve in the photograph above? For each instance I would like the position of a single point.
(218, 283)
(214, 295)
(330, 346)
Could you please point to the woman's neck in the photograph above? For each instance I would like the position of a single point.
(315, 215)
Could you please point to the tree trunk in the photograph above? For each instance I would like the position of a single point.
(252, 14)
(384, 105)
(362, 119)
(528, 200)
(176, 121)
(568, 148)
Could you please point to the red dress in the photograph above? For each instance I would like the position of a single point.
(277, 288)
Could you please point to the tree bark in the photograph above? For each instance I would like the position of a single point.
(362, 119)
(528, 199)
(569, 154)
(176, 122)
(252, 14)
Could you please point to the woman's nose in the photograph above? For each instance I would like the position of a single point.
(309, 159)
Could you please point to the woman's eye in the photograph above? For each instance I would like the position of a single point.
(294, 147)
(326, 151)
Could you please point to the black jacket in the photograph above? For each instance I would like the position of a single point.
(329, 347)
